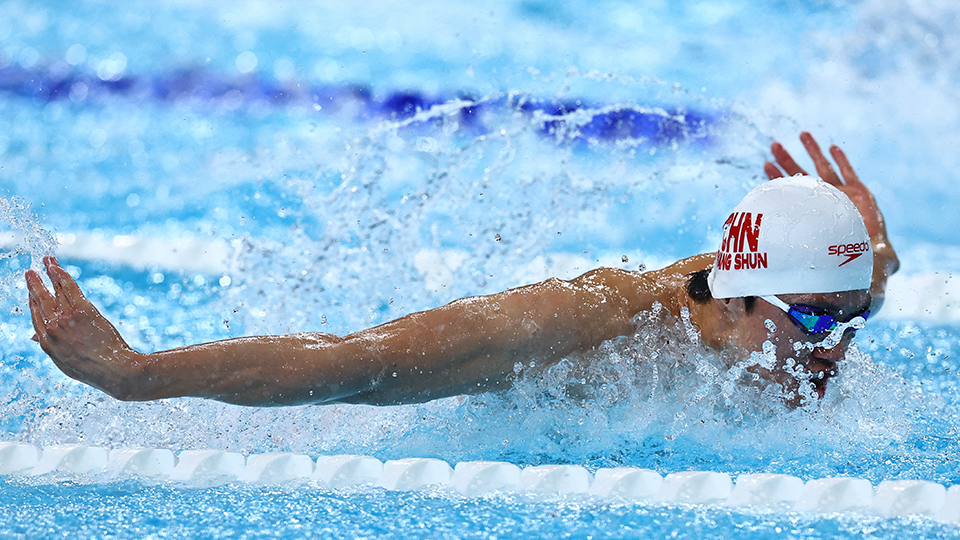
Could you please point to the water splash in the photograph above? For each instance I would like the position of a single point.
(377, 222)
(23, 244)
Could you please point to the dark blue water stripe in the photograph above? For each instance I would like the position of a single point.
(193, 85)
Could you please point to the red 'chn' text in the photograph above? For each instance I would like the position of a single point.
(741, 233)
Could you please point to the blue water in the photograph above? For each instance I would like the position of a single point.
(362, 163)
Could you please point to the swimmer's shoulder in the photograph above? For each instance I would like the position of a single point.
(685, 267)
(667, 286)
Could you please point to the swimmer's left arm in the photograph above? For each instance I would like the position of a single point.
(885, 261)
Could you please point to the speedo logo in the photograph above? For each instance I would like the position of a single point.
(850, 251)
(741, 235)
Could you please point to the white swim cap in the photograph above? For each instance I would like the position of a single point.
(790, 236)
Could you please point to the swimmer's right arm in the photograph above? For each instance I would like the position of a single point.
(468, 346)
(885, 261)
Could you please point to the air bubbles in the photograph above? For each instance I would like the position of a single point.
(328, 71)
(390, 41)
(97, 138)
(58, 71)
(246, 62)
(225, 281)
(427, 144)
(112, 68)
(284, 69)
(78, 92)
(76, 54)
(28, 58)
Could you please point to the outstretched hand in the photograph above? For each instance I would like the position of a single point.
(885, 259)
(849, 185)
(81, 341)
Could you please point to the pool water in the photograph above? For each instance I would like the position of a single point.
(335, 168)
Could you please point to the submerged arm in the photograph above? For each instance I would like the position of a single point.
(885, 261)
(468, 346)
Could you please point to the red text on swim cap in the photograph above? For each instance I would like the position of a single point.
(851, 251)
(738, 251)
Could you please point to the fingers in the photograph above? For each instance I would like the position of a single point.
(772, 171)
(46, 304)
(785, 160)
(39, 322)
(45, 308)
(849, 176)
(68, 292)
(824, 168)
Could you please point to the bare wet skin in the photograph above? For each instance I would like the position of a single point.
(802, 359)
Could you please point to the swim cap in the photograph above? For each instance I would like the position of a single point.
(790, 236)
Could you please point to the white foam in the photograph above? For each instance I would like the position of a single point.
(17, 457)
(626, 482)
(347, 470)
(909, 497)
(695, 487)
(137, 251)
(276, 468)
(414, 473)
(207, 467)
(72, 458)
(141, 462)
(930, 296)
(474, 478)
(764, 489)
(835, 495)
(555, 479)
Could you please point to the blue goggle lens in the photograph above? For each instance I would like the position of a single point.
(815, 321)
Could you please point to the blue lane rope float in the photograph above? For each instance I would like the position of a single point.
(655, 124)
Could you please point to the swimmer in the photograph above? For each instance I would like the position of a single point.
(809, 256)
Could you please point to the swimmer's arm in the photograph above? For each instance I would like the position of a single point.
(468, 346)
(885, 261)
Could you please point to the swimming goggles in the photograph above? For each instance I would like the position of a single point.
(811, 320)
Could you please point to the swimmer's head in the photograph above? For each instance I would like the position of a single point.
(794, 235)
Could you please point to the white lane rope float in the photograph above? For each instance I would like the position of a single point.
(208, 468)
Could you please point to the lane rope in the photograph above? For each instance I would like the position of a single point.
(207, 468)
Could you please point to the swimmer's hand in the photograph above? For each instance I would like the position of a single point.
(81, 341)
(850, 184)
(885, 259)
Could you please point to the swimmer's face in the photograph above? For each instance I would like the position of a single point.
(811, 366)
